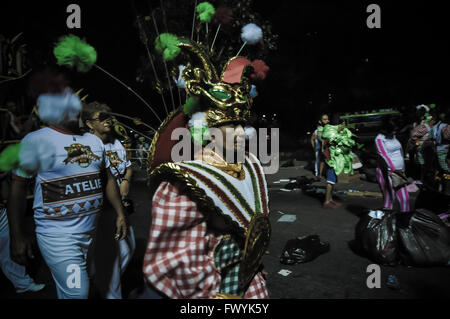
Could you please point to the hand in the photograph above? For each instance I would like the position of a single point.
(20, 250)
(121, 227)
(124, 188)
(341, 127)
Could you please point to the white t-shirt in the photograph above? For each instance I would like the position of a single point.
(117, 157)
(69, 196)
(391, 151)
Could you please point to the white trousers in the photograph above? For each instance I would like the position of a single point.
(123, 258)
(16, 273)
(67, 257)
(111, 257)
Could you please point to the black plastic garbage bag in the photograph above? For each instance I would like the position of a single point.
(377, 238)
(303, 249)
(424, 239)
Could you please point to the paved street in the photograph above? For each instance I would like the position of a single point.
(339, 273)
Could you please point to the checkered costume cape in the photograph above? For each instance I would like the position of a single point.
(195, 247)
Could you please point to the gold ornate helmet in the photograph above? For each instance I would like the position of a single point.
(219, 90)
(227, 97)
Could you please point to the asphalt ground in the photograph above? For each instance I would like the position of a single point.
(341, 273)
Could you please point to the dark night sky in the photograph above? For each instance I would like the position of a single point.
(324, 47)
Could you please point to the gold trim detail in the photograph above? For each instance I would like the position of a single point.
(171, 172)
(152, 150)
(256, 244)
(227, 296)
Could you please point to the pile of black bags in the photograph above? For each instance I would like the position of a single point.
(418, 238)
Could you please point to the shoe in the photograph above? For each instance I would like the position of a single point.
(33, 288)
(329, 205)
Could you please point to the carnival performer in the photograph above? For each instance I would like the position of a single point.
(68, 191)
(96, 117)
(421, 137)
(441, 137)
(336, 149)
(391, 161)
(210, 225)
(16, 273)
(316, 142)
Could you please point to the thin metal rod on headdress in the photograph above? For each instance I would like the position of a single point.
(164, 16)
(144, 40)
(193, 21)
(132, 129)
(165, 66)
(112, 76)
(214, 41)
(150, 57)
(132, 119)
(241, 48)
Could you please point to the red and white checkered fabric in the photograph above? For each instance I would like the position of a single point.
(257, 288)
(179, 256)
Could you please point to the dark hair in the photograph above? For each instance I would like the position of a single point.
(319, 121)
(89, 109)
(388, 128)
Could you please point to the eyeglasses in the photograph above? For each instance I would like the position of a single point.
(102, 117)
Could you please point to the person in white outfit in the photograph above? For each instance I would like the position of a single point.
(113, 262)
(391, 160)
(68, 191)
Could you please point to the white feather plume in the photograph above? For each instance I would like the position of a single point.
(423, 106)
(251, 33)
(250, 132)
(180, 82)
(253, 91)
(36, 156)
(198, 119)
(54, 109)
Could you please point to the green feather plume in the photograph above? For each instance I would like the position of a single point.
(191, 106)
(167, 44)
(205, 11)
(9, 158)
(75, 53)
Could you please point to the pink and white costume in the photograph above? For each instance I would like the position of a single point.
(391, 152)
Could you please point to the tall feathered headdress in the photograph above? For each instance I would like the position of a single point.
(215, 66)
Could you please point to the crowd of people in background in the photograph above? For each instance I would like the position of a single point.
(423, 142)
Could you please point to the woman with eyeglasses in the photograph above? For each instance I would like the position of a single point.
(112, 263)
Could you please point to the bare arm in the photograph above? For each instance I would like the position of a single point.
(313, 137)
(125, 185)
(113, 195)
(20, 247)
